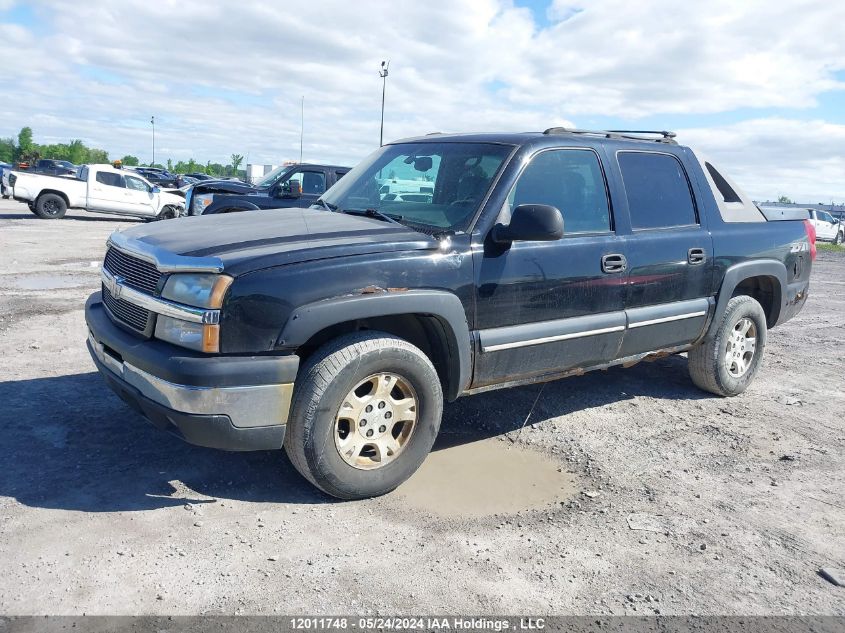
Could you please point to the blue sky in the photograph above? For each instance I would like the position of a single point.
(758, 87)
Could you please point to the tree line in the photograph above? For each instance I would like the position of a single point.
(24, 149)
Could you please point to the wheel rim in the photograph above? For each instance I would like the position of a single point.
(740, 348)
(51, 207)
(375, 421)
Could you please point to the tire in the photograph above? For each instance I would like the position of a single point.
(724, 370)
(325, 384)
(838, 239)
(50, 206)
(167, 213)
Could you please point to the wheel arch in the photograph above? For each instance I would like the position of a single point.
(56, 192)
(226, 206)
(764, 280)
(432, 320)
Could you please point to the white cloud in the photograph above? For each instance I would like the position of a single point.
(769, 157)
(228, 78)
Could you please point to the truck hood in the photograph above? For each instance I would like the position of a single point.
(260, 239)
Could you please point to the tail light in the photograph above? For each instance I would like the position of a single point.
(811, 236)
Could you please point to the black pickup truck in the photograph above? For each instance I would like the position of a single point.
(297, 185)
(338, 331)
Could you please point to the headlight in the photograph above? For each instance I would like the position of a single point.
(200, 202)
(202, 337)
(197, 290)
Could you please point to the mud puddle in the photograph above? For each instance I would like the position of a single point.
(484, 478)
(46, 281)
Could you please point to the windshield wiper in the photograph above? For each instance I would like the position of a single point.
(374, 213)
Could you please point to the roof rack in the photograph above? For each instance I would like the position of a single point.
(663, 136)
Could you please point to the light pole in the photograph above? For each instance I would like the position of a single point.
(383, 74)
(301, 127)
(153, 122)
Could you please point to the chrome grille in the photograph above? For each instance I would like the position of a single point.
(136, 273)
(132, 315)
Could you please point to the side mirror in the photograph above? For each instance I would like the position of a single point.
(290, 189)
(531, 222)
(156, 189)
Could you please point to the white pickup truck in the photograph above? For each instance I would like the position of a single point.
(828, 228)
(98, 189)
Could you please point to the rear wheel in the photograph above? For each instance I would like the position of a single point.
(366, 411)
(727, 362)
(50, 206)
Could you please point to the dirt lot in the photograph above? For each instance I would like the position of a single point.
(742, 500)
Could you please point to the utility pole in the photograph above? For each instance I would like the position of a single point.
(301, 127)
(383, 74)
(153, 122)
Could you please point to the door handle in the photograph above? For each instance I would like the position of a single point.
(696, 256)
(614, 263)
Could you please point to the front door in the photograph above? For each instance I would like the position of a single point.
(310, 183)
(545, 307)
(670, 255)
(139, 197)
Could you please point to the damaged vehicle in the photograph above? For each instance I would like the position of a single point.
(96, 189)
(298, 185)
(338, 332)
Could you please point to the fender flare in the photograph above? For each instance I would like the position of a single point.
(306, 321)
(738, 273)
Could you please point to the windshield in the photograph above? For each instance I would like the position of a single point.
(434, 185)
(270, 179)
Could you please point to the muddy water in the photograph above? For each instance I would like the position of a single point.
(484, 478)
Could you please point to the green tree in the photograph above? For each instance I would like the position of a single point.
(8, 149)
(25, 144)
(77, 153)
(237, 159)
(170, 164)
(784, 199)
(130, 161)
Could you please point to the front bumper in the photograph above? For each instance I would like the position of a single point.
(232, 403)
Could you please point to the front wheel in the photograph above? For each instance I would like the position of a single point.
(838, 239)
(727, 362)
(167, 213)
(366, 411)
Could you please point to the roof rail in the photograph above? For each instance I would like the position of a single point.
(663, 136)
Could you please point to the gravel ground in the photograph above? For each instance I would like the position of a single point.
(627, 492)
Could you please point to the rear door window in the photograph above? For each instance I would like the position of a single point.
(657, 189)
(110, 179)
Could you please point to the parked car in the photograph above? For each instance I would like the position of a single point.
(97, 189)
(49, 167)
(828, 228)
(5, 188)
(339, 335)
(159, 177)
(200, 176)
(289, 186)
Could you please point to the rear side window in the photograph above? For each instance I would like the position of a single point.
(657, 189)
(108, 178)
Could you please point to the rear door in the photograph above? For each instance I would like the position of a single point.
(107, 192)
(670, 254)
